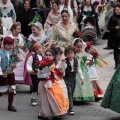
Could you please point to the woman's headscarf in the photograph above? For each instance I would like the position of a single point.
(9, 4)
(3, 5)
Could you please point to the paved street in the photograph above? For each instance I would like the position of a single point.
(83, 111)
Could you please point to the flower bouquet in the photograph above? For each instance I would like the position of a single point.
(77, 34)
(25, 42)
(45, 62)
(100, 9)
(13, 59)
(97, 60)
(59, 73)
(43, 65)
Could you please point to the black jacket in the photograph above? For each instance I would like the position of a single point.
(114, 38)
(25, 18)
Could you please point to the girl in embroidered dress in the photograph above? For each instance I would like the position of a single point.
(92, 71)
(61, 65)
(52, 100)
(70, 75)
(19, 50)
(39, 36)
(84, 92)
(37, 51)
(7, 13)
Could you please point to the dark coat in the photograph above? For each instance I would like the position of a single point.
(25, 18)
(113, 39)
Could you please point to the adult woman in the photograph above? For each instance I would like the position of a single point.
(7, 13)
(18, 49)
(52, 19)
(24, 17)
(64, 6)
(114, 36)
(89, 11)
(63, 31)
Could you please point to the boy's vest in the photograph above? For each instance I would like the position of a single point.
(69, 68)
(4, 59)
(35, 59)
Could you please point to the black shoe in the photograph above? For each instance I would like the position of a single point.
(12, 108)
(57, 118)
(107, 47)
(43, 118)
(71, 112)
(98, 99)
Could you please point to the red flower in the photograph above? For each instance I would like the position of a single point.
(95, 54)
(43, 63)
(79, 33)
(99, 8)
(26, 39)
(58, 73)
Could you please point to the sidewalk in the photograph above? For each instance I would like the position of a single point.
(86, 111)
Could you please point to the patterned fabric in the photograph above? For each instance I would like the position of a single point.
(52, 100)
(89, 32)
(83, 92)
(111, 98)
(69, 68)
(64, 37)
(4, 59)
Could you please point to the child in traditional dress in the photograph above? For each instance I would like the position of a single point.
(7, 77)
(52, 100)
(37, 51)
(70, 75)
(39, 36)
(19, 50)
(92, 71)
(61, 65)
(37, 33)
(84, 92)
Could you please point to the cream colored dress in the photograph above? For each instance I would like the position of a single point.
(64, 37)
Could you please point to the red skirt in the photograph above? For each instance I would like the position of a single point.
(9, 80)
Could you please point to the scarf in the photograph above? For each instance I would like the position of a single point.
(53, 17)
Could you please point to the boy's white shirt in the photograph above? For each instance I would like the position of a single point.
(79, 71)
(8, 56)
(30, 61)
(41, 73)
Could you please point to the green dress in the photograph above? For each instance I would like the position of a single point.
(111, 98)
(83, 92)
